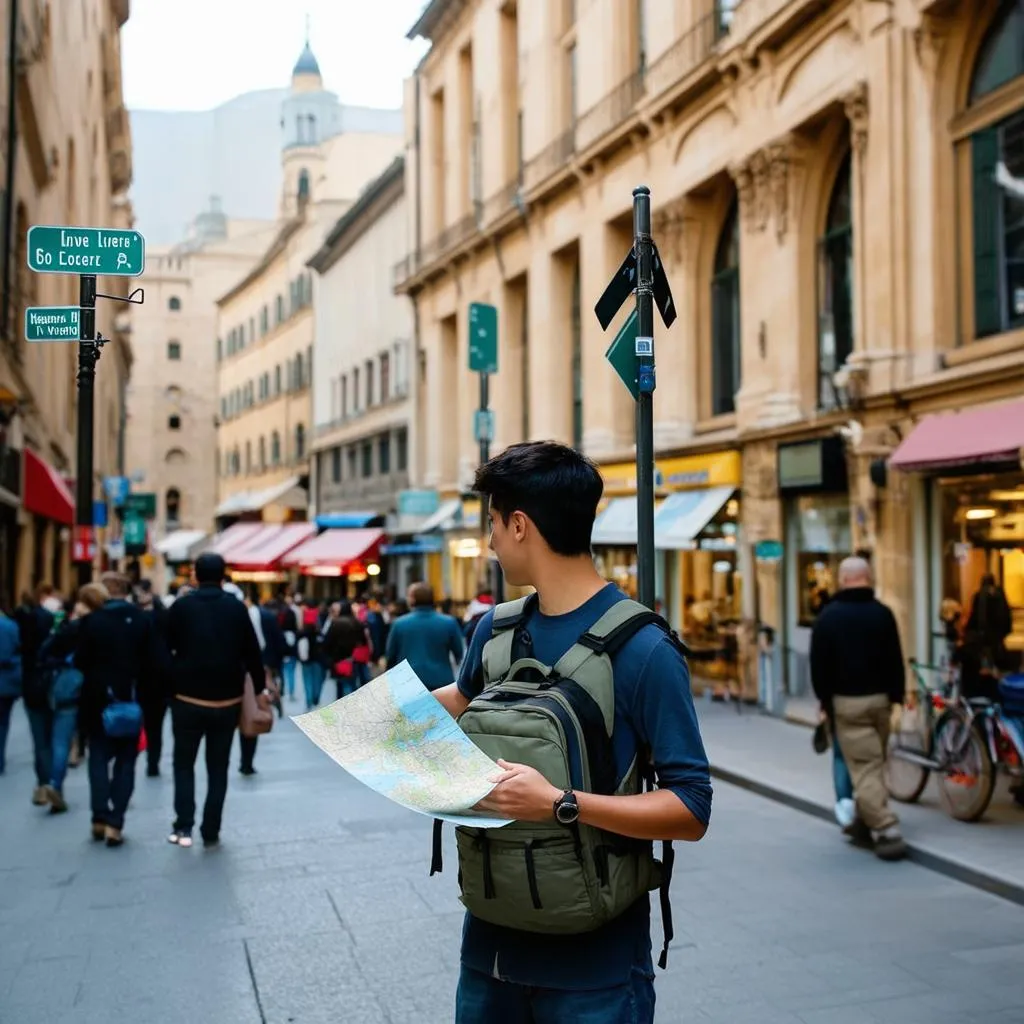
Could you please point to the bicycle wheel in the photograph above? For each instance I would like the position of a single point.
(967, 779)
(906, 779)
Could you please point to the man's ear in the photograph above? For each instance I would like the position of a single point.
(517, 524)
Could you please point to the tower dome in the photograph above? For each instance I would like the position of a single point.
(306, 64)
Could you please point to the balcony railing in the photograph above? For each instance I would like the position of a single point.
(609, 112)
(550, 159)
(687, 53)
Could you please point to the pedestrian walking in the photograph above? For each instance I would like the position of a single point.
(307, 650)
(288, 620)
(427, 639)
(213, 647)
(10, 678)
(34, 625)
(272, 647)
(345, 634)
(533, 946)
(154, 710)
(118, 653)
(858, 676)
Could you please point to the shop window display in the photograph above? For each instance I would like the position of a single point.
(822, 540)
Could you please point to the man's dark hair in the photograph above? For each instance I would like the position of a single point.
(210, 568)
(553, 484)
(422, 595)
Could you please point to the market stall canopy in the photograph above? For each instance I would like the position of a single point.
(46, 494)
(233, 537)
(616, 524)
(683, 516)
(990, 434)
(263, 551)
(288, 494)
(334, 550)
(180, 545)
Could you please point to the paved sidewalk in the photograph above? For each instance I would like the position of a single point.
(773, 757)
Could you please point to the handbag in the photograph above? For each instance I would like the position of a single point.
(257, 718)
(65, 686)
(821, 740)
(122, 719)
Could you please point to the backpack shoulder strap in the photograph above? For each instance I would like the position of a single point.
(509, 618)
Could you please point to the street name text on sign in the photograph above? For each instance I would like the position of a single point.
(72, 250)
(51, 323)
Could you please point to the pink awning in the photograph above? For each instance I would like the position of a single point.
(990, 434)
(264, 550)
(336, 549)
(234, 537)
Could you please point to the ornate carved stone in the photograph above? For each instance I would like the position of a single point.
(855, 104)
(761, 169)
(929, 42)
(743, 177)
(779, 160)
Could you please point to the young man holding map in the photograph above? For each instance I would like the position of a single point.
(543, 501)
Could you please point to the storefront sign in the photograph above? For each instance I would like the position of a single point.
(418, 503)
(717, 469)
(768, 550)
(809, 466)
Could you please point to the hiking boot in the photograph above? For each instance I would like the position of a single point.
(39, 797)
(890, 846)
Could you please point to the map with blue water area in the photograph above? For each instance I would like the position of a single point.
(394, 736)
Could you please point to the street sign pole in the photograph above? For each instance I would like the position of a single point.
(641, 273)
(88, 355)
(642, 247)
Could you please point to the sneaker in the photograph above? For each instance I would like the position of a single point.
(846, 812)
(39, 797)
(179, 837)
(890, 845)
(58, 805)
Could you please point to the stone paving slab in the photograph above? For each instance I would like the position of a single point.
(319, 910)
(773, 757)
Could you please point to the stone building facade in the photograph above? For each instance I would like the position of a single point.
(68, 162)
(836, 190)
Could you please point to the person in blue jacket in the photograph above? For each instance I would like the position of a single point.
(10, 678)
(426, 639)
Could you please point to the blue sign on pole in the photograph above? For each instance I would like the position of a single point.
(116, 488)
(99, 514)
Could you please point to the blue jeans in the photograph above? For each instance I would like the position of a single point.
(841, 774)
(482, 999)
(6, 704)
(313, 681)
(40, 722)
(288, 668)
(111, 777)
(65, 721)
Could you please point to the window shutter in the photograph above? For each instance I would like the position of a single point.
(985, 203)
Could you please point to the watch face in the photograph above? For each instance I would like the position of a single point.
(567, 812)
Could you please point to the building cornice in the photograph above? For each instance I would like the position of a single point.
(436, 18)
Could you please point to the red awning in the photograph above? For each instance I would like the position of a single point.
(989, 434)
(234, 537)
(335, 549)
(264, 550)
(46, 494)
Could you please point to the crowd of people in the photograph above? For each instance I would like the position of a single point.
(99, 673)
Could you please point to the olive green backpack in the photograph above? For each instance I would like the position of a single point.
(546, 877)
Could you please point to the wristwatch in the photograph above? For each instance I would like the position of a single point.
(567, 808)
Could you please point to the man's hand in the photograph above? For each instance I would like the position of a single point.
(521, 793)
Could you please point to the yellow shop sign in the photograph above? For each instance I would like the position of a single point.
(717, 469)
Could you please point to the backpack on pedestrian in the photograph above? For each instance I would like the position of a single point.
(546, 877)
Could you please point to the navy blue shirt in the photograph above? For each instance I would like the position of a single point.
(653, 708)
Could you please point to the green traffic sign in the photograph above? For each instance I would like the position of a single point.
(71, 250)
(622, 354)
(134, 534)
(142, 505)
(483, 338)
(51, 323)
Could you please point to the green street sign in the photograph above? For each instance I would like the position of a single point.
(142, 505)
(483, 338)
(70, 250)
(51, 323)
(135, 535)
(622, 354)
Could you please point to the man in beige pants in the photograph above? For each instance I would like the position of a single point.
(858, 675)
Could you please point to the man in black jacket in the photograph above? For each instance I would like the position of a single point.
(118, 652)
(213, 647)
(858, 676)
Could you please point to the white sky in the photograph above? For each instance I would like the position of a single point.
(197, 54)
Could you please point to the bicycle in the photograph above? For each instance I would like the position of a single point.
(940, 732)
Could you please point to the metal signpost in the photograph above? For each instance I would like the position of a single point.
(87, 252)
(483, 359)
(641, 272)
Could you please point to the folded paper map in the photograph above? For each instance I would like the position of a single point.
(395, 737)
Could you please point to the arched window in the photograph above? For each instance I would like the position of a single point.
(835, 286)
(175, 456)
(996, 191)
(174, 304)
(173, 393)
(263, 454)
(303, 184)
(725, 317)
(174, 351)
(275, 449)
(174, 422)
(300, 441)
(172, 506)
